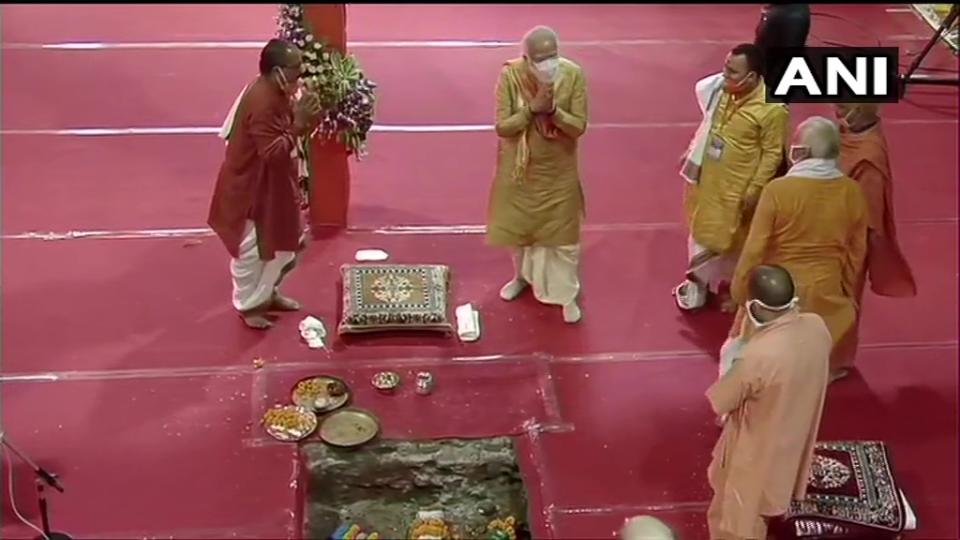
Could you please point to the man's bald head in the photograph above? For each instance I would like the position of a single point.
(281, 54)
(645, 528)
(771, 285)
(821, 136)
(541, 43)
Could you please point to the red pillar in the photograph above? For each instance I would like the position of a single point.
(329, 170)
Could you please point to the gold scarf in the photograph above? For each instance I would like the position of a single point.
(526, 86)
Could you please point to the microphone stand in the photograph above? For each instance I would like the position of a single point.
(910, 77)
(43, 477)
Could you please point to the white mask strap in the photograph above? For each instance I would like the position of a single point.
(789, 305)
(786, 307)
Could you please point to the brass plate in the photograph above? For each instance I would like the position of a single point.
(349, 427)
(289, 423)
(311, 393)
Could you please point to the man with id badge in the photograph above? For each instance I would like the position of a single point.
(737, 149)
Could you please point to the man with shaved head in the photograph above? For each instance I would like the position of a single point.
(771, 400)
(737, 149)
(864, 158)
(646, 528)
(256, 208)
(536, 202)
(813, 222)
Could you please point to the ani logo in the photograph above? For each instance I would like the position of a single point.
(832, 75)
(392, 289)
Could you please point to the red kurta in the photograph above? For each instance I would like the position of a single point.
(258, 178)
(863, 157)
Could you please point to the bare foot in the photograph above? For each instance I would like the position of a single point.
(283, 303)
(256, 321)
(838, 374)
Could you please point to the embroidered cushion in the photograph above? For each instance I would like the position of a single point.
(381, 297)
(851, 494)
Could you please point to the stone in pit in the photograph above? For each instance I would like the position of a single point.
(381, 486)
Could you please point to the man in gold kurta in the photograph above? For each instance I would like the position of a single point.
(772, 401)
(536, 203)
(813, 222)
(736, 151)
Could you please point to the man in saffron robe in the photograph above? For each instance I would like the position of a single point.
(256, 208)
(536, 202)
(863, 157)
(771, 401)
(813, 222)
(735, 152)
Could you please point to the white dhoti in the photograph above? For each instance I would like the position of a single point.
(553, 272)
(254, 280)
(705, 273)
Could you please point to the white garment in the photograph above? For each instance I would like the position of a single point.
(730, 353)
(227, 127)
(552, 272)
(822, 169)
(255, 280)
(709, 275)
(716, 270)
(708, 91)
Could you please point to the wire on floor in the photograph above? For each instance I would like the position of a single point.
(13, 502)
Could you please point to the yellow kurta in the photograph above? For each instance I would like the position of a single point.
(753, 133)
(817, 230)
(545, 207)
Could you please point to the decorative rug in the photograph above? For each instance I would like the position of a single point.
(851, 494)
(381, 297)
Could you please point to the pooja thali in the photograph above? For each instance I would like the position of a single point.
(321, 394)
(349, 427)
(289, 423)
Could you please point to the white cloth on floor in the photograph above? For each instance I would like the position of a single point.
(468, 323)
(313, 332)
(255, 280)
(552, 272)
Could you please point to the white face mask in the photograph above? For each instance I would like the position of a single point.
(753, 318)
(546, 70)
(798, 153)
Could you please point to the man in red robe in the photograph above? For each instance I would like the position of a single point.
(864, 158)
(256, 203)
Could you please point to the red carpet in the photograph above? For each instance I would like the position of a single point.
(156, 396)
(166, 179)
